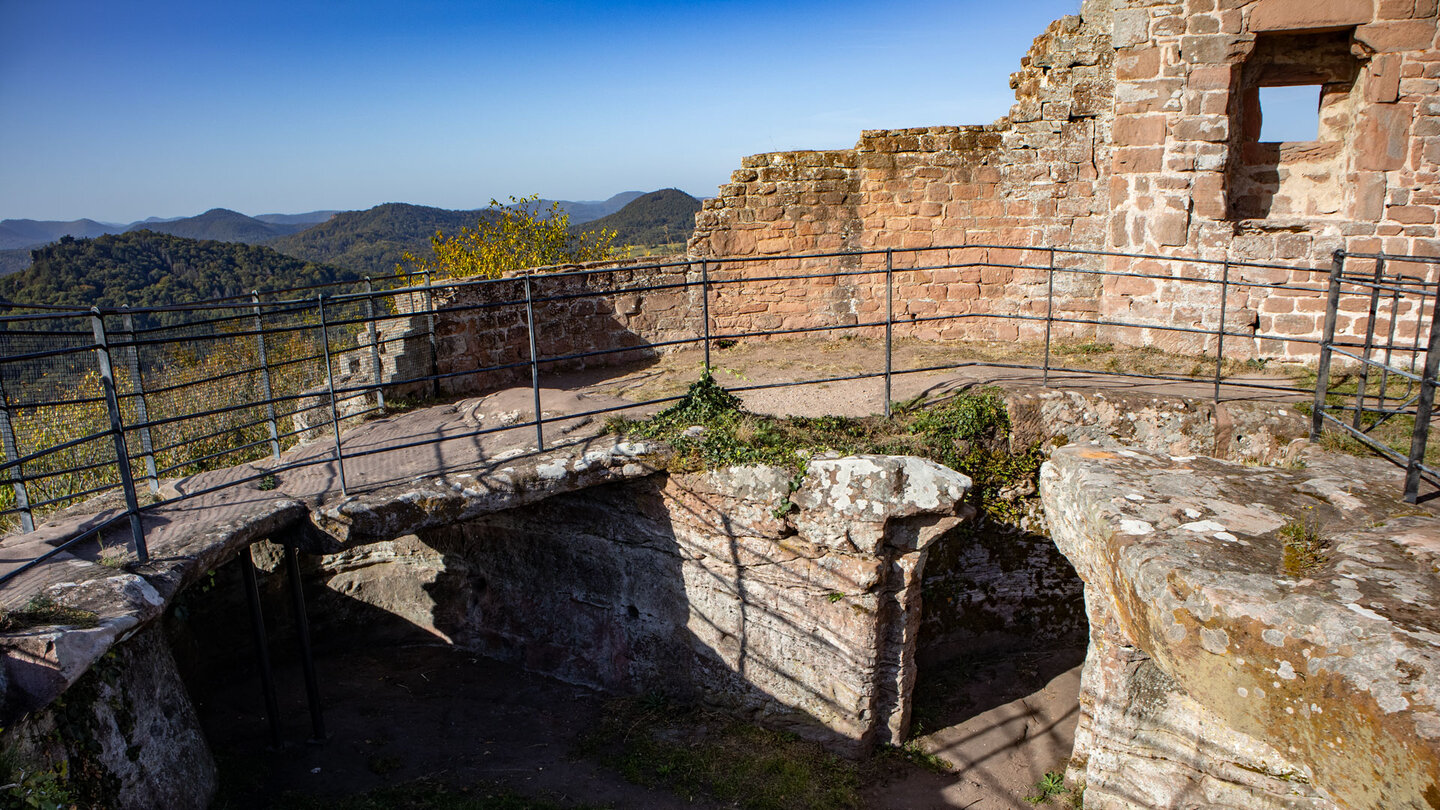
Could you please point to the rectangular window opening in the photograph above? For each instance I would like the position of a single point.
(1290, 113)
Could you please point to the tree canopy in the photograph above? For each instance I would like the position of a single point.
(513, 237)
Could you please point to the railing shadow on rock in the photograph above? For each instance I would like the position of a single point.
(91, 401)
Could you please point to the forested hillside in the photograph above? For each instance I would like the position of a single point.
(374, 241)
(144, 268)
(661, 217)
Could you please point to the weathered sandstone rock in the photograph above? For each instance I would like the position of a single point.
(1224, 672)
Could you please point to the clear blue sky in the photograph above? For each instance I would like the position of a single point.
(122, 109)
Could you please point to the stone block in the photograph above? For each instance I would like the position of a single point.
(1136, 160)
(1301, 15)
(1139, 130)
(1382, 79)
(1382, 137)
(1140, 63)
(1391, 37)
(1130, 27)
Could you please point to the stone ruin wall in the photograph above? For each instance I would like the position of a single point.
(1134, 130)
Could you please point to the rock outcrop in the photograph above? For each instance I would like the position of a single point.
(1260, 637)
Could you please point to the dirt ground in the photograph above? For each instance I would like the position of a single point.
(395, 714)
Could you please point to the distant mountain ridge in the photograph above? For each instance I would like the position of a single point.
(587, 210)
(223, 225)
(24, 233)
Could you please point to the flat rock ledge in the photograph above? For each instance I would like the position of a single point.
(1224, 671)
(524, 477)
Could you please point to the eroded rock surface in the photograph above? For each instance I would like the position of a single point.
(1227, 670)
(707, 583)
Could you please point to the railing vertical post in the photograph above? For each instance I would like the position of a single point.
(330, 386)
(705, 309)
(1390, 340)
(1424, 405)
(1220, 330)
(15, 474)
(302, 638)
(265, 389)
(1322, 368)
(534, 364)
(889, 323)
(1049, 315)
(117, 432)
(1369, 345)
(142, 410)
(374, 345)
(430, 330)
(262, 644)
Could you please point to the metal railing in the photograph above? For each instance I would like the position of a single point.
(88, 398)
(1374, 411)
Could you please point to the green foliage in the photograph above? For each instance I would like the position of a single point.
(44, 611)
(517, 236)
(653, 741)
(1051, 785)
(143, 268)
(968, 433)
(1306, 550)
(659, 218)
(35, 789)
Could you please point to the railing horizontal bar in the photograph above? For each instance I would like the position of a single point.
(93, 531)
(1377, 364)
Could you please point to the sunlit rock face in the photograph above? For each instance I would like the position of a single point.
(1230, 668)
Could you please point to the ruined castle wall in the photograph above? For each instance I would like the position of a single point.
(1135, 130)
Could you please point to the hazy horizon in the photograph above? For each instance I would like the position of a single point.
(118, 112)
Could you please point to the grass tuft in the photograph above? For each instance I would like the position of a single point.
(44, 611)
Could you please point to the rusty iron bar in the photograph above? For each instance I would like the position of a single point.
(1049, 315)
(142, 411)
(375, 366)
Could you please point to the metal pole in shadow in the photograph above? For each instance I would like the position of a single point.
(1220, 330)
(142, 411)
(262, 644)
(265, 388)
(434, 349)
(1390, 339)
(1049, 314)
(1359, 422)
(1322, 369)
(117, 430)
(302, 635)
(375, 367)
(330, 385)
(1423, 408)
(705, 309)
(889, 322)
(534, 365)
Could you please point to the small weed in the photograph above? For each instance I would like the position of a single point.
(912, 753)
(1051, 785)
(1087, 349)
(1305, 547)
(44, 611)
(267, 482)
(834, 596)
(36, 789)
(725, 343)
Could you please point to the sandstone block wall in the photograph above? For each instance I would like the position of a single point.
(1135, 130)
